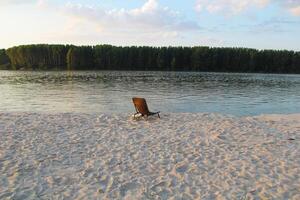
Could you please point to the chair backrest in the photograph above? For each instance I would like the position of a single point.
(140, 105)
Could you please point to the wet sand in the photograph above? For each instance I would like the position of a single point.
(180, 156)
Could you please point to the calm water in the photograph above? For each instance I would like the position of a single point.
(111, 92)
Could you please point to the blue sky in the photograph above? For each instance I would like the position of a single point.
(262, 24)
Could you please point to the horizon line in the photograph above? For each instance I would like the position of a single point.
(155, 46)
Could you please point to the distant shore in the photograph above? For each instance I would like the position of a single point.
(147, 58)
(181, 155)
(128, 70)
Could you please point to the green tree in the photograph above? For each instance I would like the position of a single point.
(108, 57)
(4, 60)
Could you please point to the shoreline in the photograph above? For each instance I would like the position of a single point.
(167, 71)
(185, 155)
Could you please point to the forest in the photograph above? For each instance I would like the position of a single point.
(108, 57)
(4, 60)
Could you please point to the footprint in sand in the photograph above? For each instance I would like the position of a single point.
(182, 168)
(130, 187)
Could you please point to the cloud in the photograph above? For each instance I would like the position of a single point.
(293, 6)
(230, 7)
(151, 16)
(234, 7)
(295, 10)
(14, 2)
(149, 24)
(274, 25)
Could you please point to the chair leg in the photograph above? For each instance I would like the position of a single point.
(134, 115)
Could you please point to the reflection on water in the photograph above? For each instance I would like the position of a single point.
(111, 92)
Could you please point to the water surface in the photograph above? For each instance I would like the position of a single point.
(111, 92)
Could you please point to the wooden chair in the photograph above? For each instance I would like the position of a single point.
(141, 108)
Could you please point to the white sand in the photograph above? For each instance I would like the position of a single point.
(181, 156)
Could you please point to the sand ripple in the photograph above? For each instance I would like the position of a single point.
(180, 156)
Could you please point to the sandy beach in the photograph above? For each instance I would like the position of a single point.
(180, 156)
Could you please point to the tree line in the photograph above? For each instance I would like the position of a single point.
(4, 60)
(108, 57)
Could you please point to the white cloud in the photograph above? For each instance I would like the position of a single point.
(295, 10)
(233, 7)
(230, 7)
(151, 16)
(14, 2)
(150, 24)
(293, 6)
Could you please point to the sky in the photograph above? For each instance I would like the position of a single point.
(261, 24)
